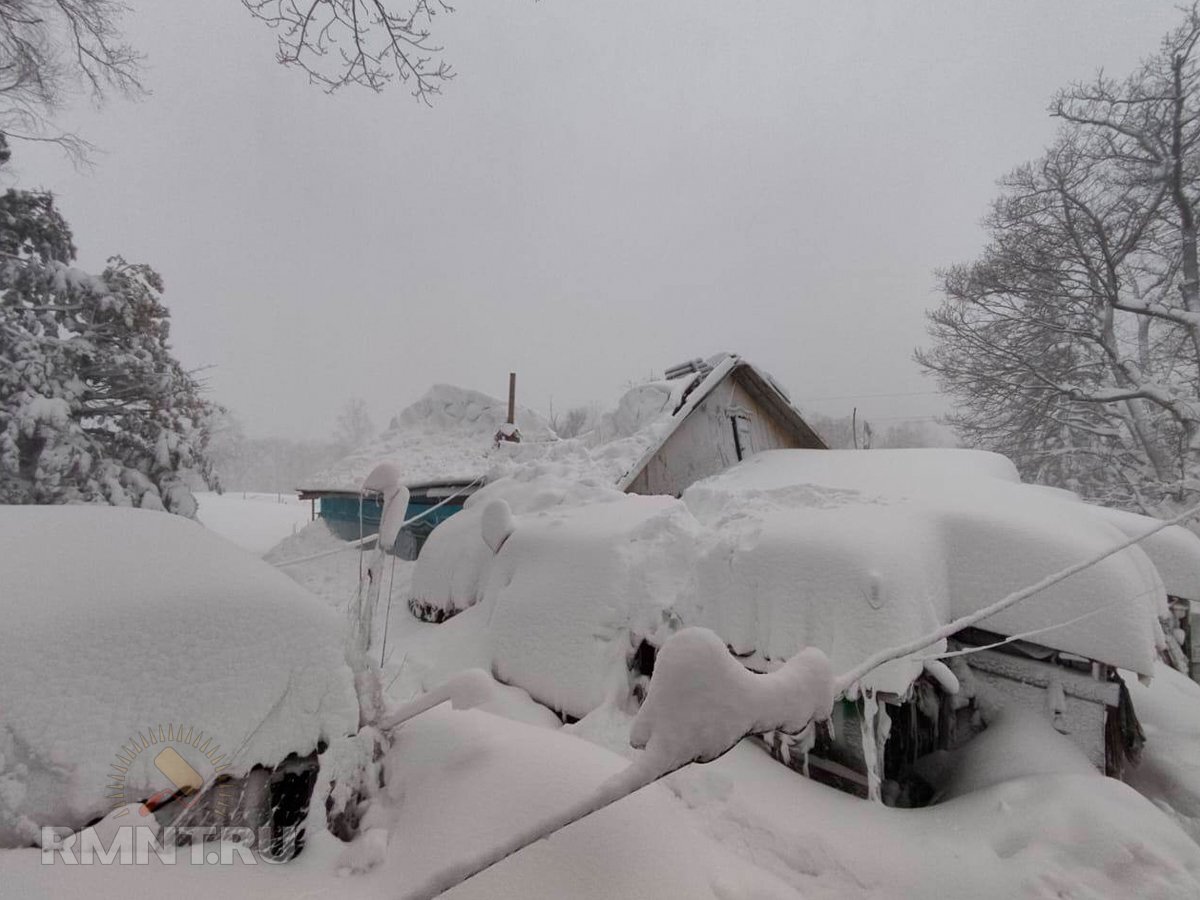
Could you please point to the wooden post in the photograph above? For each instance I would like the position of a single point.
(512, 398)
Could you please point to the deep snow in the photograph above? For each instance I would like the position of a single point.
(458, 780)
(120, 621)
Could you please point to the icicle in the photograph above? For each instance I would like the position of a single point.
(883, 731)
(870, 748)
(806, 741)
(1056, 703)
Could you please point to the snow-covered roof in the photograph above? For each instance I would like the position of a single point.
(628, 437)
(117, 621)
(681, 395)
(446, 437)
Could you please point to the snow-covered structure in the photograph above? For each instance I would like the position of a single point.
(848, 551)
(705, 416)
(441, 446)
(143, 657)
(700, 418)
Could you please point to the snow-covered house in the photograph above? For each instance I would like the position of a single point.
(442, 447)
(848, 551)
(700, 418)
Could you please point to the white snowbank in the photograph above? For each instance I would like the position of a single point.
(1169, 773)
(457, 782)
(119, 621)
(1059, 835)
(1016, 744)
(446, 437)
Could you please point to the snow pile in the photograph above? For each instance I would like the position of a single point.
(1016, 744)
(119, 621)
(446, 437)
(1056, 835)
(1169, 773)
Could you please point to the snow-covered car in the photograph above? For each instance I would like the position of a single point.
(145, 664)
(851, 552)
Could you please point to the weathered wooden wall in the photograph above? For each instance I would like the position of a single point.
(703, 444)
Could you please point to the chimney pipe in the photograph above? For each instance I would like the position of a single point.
(512, 398)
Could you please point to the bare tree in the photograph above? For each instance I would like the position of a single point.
(354, 426)
(370, 43)
(1073, 343)
(51, 48)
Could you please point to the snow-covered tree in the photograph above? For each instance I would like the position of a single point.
(93, 405)
(1073, 343)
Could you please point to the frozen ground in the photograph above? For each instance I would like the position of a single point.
(254, 521)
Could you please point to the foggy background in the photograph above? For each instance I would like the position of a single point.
(605, 189)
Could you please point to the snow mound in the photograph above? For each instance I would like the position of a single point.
(119, 621)
(446, 437)
(1169, 773)
(469, 780)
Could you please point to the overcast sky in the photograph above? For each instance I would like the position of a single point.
(605, 189)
